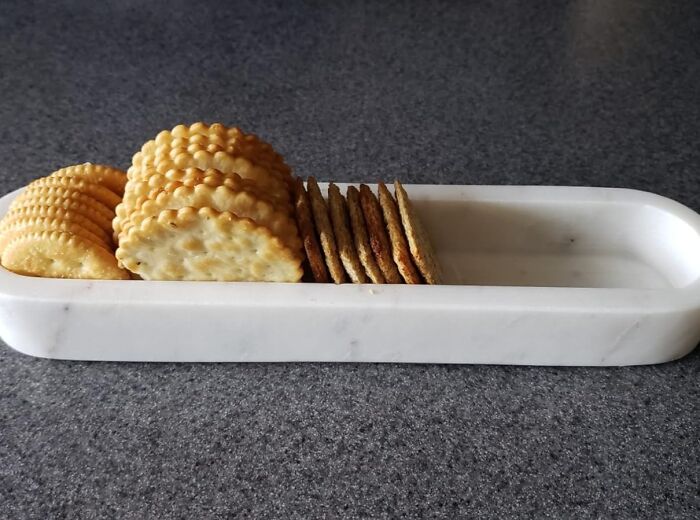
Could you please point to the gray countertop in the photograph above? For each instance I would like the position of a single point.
(574, 93)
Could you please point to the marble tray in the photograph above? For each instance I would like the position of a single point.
(536, 276)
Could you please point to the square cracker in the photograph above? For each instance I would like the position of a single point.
(418, 242)
(399, 248)
(325, 231)
(302, 208)
(346, 245)
(378, 238)
(361, 236)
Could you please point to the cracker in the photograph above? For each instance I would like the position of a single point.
(302, 207)
(205, 244)
(325, 231)
(221, 198)
(74, 215)
(30, 224)
(418, 241)
(378, 238)
(346, 245)
(58, 254)
(67, 199)
(399, 247)
(96, 191)
(361, 237)
(274, 187)
(111, 178)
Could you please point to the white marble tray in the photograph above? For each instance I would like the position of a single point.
(538, 276)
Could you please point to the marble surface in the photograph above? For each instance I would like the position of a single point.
(580, 92)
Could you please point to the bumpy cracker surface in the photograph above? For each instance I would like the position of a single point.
(418, 241)
(314, 255)
(220, 198)
(325, 231)
(343, 236)
(107, 176)
(217, 137)
(275, 187)
(378, 238)
(56, 213)
(94, 190)
(361, 236)
(67, 199)
(206, 244)
(58, 254)
(29, 225)
(399, 247)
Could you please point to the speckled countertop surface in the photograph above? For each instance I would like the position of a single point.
(582, 92)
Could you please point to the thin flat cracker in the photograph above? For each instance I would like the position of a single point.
(205, 244)
(399, 248)
(346, 245)
(74, 215)
(361, 237)
(94, 190)
(378, 238)
(302, 207)
(418, 241)
(29, 225)
(57, 254)
(220, 198)
(325, 231)
(107, 176)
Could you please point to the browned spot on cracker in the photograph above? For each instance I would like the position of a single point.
(325, 231)
(361, 236)
(302, 208)
(378, 238)
(418, 242)
(343, 236)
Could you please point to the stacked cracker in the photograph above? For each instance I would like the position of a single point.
(60, 225)
(208, 203)
(368, 239)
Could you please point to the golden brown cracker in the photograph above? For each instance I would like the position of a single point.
(94, 190)
(346, 245)
(57, 254)
(399, 247)
(66, 198)
(302, 207)
(361, 237)
(418, 241)
(205, 244)
(378, 238)
(30, 224)
(325, 231)
(59, 213)
(107, 176)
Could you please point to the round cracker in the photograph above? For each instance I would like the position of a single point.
(94, 190)
(418, 241)
(58, 254)
(325, 231)
(53, 212)
(67, 199)
(346, 245)
(361, 236)
(378, 238)
(205, 244)
(221, 198)
(273, 186)
(399, 247)
(107, 176)
(32, 224)
(314, 256)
